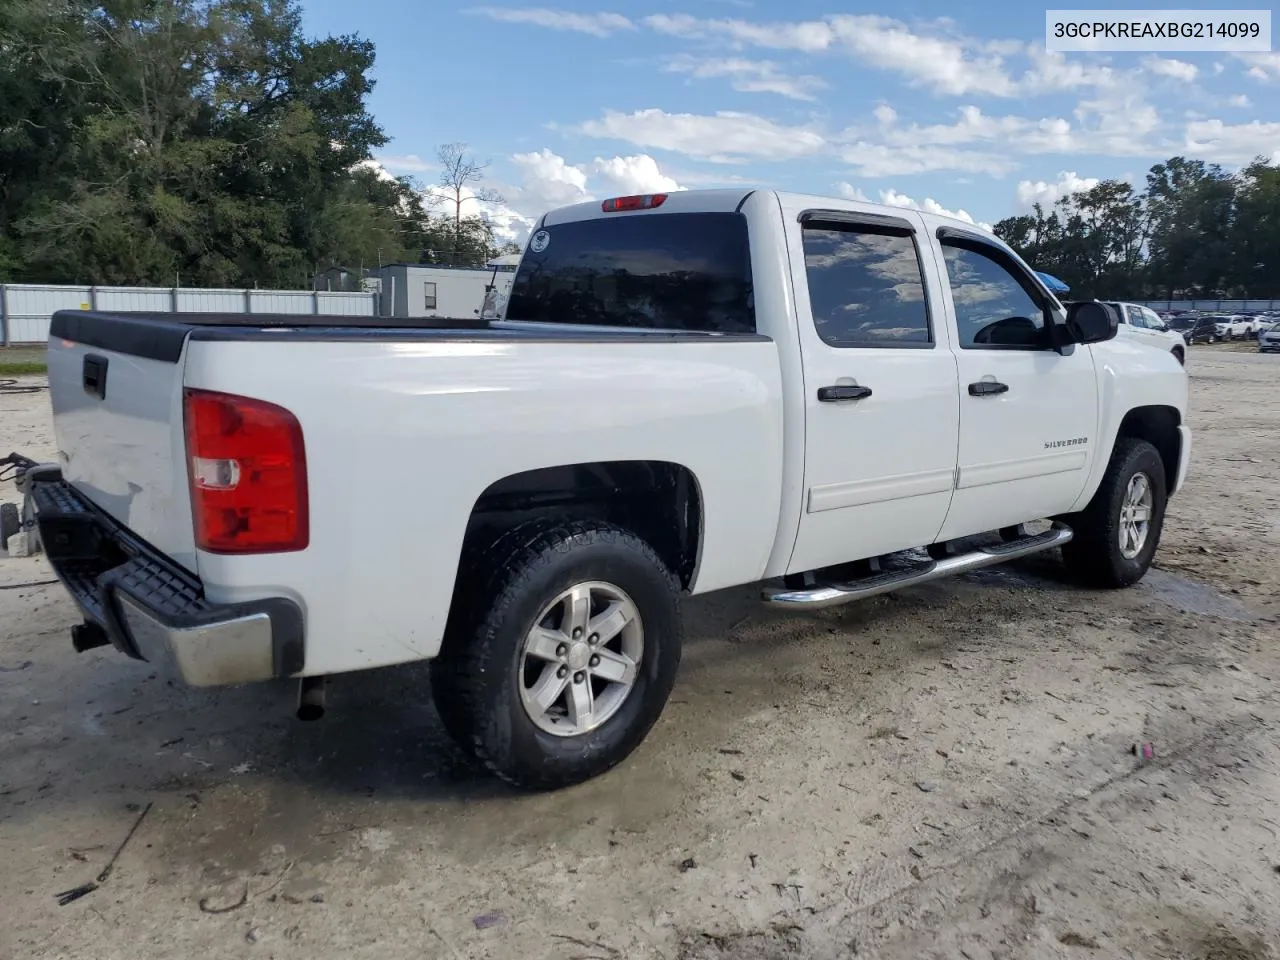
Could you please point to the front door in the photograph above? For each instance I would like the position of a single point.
(881, 416)
(1028, 414)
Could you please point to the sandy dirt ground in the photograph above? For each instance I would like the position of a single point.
(945, 772)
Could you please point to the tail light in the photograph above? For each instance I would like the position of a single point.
(644, 202)
(248, 472)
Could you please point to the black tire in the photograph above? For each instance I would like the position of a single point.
(1180, 355)
(1093, 556)
(476, 679)
(10, 522)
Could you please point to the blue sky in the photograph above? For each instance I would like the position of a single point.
(911, 103)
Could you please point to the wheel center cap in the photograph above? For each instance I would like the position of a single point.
(579, 654)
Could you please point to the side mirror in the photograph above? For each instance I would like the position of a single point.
(1088, 321)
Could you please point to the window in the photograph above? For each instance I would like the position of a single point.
(995, 309)
(1154, 320)
(664, 271)
(1133, 316)
(866, 288)
(429, 291)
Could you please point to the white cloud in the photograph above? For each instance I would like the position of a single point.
(548, 181)
(895, 199)
(1169, 67)
(850, 192)
(751, 76)
(1047, 193)
(1262, 66)
(723, 137)
(940, 60)
(631, 175)
(1229, 143)
(870, 159)
(1240, 100)
(409, 163)
(885, 113)
(595, 24)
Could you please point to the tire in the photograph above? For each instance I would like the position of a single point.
(10, 523)
(485, 673)
(1180, 355)
(1094, 555)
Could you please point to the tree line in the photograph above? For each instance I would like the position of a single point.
(206, 143)
(1194, 231)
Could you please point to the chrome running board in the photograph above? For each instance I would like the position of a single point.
(835, 594)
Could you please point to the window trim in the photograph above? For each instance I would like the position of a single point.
(434, 295)
(851, 221)
(1031, 286)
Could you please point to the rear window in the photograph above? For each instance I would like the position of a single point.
(666, 271)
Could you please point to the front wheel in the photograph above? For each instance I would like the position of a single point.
(564, 655)
(1117, 534)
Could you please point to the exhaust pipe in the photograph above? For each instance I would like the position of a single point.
(311, 693)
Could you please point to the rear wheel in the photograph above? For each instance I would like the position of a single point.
(563, 653)
(1117, 534)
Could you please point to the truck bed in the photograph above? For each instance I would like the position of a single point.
(407, 425)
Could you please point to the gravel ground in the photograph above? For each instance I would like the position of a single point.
(945, 772)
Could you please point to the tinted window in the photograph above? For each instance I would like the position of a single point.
(993, 309)
(1134, 316)
(865, 286)
(667, 271)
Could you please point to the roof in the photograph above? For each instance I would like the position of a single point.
(728, 199)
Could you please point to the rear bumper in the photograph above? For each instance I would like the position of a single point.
(150, 608)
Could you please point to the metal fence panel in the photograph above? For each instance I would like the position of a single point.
(282, 301)
(149, 299)
(345, 304)
(193, 300)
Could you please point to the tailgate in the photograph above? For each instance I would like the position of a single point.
(116, 389)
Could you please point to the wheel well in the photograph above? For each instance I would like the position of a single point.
(656, 500)
(1159, 427)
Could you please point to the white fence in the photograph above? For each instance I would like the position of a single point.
(25, 309)
(1217, 306)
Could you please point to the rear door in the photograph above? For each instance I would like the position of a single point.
(881, 417)
(1028, 414)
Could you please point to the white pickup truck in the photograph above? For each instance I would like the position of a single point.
(688, 392)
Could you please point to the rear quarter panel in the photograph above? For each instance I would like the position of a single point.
(403, 437)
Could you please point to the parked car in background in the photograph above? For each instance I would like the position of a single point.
(1269, 338)
(1206, 329)
(1144, 325)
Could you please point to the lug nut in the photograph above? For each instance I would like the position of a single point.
(577, 632)
(562, 672)
(561, 649)
(579, 677)
(594, 639)
(595, 660)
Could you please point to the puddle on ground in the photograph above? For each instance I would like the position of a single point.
(1192, 597)
(1177, 592)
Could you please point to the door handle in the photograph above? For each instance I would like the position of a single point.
(987, 388)
(94, 376)
(837, 393)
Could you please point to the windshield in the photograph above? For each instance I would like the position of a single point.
(673, 271)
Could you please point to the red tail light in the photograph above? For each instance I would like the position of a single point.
(248, 473)
(646, 202)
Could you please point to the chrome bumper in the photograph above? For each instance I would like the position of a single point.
(141, 602)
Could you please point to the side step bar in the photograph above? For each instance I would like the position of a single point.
(835, 594)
